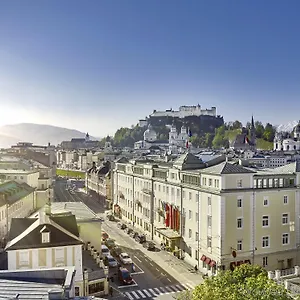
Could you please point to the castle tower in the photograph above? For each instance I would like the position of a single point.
(87, 137)
(173, 135)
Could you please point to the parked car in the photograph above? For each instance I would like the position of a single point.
(105, 251)
(128, 230)
(105, 236)
(125, 258)
(110, 217)
(149, 246)
(110, 243)
(116, 251)
(124, 276)
(122, 226)
(110, 261)
(140, 238)
(134, 234)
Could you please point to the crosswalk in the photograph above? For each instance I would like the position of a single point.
(154, 292)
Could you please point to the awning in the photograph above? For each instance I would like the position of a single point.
(203, 257)
(208, 260)
(212, 263)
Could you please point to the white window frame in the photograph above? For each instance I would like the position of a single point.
(239, 183)
(190, 233)
(209, 201)
(209, 242)
(266, 202)
(23, 258)
(285, 216)
(239, 202)
(263, 241)
(237, 223)
(59, 259)
(45, 237)
(265, 261)
(283, 237)
(239, 245)
(190, 215)
(265, 218)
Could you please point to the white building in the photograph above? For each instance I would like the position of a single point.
(289, 142)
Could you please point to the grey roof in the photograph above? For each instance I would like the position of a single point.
(29, 237)
(227, 168)
(188, 161)
(291, 168)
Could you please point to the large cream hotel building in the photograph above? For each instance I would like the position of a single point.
(216, 215)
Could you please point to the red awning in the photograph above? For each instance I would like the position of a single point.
(212, 263)
(208, 260)
(203, 257)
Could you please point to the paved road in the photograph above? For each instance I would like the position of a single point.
(151, 281)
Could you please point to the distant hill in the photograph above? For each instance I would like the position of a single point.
(37, 134)
(287, 127)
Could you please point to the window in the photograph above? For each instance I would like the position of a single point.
(197, 236)
(285, 199)
(210, 182)
(190, 233)
(239, 223)
(23, 258)
(285, 219)
(209, 241)
(265, 261)
(45, 237)
(209, 201)
(265, 221)
(265, 242)
(209, 221)
(239, 202)
(240, 183)
(266, 201)
(190, 214)
(285, 239)
(190, 196)
(197, 197)
(197, 217)
(239, 245)
(59, 257)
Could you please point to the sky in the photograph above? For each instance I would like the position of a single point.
(99, 65)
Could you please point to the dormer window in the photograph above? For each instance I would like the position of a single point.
(45, 233)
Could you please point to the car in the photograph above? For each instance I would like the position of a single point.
(149, 246)
(125, 276)
(122, 226)
(110, 261)
(110, 217)
(128, 230)
(134, 234)
(110, 243)
(105, 236)
(105, 251)
(140, 238)
(116, 251)
(125, 258)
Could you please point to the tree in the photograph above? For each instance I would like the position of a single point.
(245, 282)
(269, 133)
(237, 125)
(220, 140)
(259, 129)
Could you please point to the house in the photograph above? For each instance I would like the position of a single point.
(16, 201)
(46, 242)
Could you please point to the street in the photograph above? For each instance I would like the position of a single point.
(150, 280)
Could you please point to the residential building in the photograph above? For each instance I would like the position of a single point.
(217, 216)
(46, 242)
(16, 201)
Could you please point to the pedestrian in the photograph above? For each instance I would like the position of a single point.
(111, 291)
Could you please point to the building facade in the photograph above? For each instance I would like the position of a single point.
(288, 142)
(214, 217)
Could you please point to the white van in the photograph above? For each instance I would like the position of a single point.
(105, 251)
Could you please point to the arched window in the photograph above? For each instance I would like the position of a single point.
(288, 147)
(276, 146)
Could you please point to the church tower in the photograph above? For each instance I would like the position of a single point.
(252, 133)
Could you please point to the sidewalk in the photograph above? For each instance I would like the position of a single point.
(177, 268)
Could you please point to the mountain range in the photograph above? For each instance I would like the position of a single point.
(37, 134)
(287, 127)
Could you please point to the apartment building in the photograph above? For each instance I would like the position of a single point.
(16, 201)
(217, 216)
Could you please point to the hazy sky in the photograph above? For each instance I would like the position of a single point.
(98, 65)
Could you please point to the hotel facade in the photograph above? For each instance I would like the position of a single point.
(216, 215)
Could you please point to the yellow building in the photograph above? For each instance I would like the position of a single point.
(216, 215)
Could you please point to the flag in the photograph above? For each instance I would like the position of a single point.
(187, 144)
(246, 140)
(190, 133)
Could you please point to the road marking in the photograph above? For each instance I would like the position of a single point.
(143, 296)
(163, 289)
(169, 289)
(172, 287)
(129, 296)
(151, 264)
(135, 295)
(147, 293)
(151, 291)
(181, 287)
(157, 290)
(169, 279)
(138, 259)
(189, 286)
(127, 286)
(157, 269)
(163, 274)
